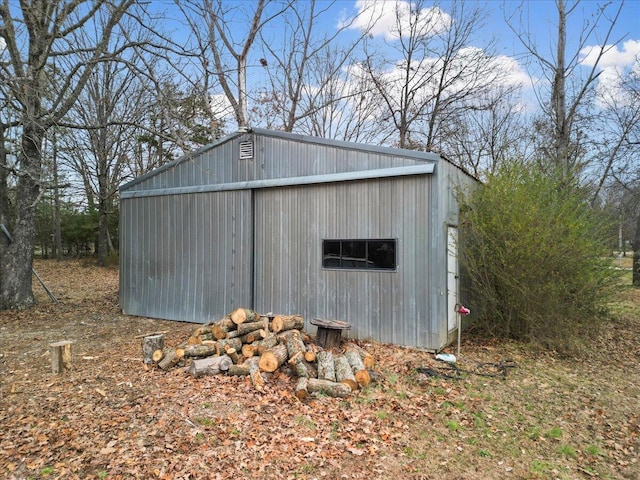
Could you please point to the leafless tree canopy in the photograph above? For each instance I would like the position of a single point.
(95, 93)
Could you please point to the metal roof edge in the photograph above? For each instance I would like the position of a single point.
(427, 168)
(416, 154)
(182, 159)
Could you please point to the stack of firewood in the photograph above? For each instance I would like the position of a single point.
(247, 343)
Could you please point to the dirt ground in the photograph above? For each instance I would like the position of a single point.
(111, 418)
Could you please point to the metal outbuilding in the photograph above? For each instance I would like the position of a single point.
(287, 223)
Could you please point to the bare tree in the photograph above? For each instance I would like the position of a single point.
(306, 70)
(620, 155)
(563, 94)
(341, 106)
(107, 106)
(214, 26)
(482, 139)
(35, 35)
(434, 73)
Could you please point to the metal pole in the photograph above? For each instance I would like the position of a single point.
(459, 319)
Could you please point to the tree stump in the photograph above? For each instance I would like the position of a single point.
(149, 345)
(61, 356)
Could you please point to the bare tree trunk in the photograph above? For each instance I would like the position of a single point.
(57, 230)
(16, 289)
(42, 25)
(4, 200)
(558, 95)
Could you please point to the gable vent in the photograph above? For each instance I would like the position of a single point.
(246, 150)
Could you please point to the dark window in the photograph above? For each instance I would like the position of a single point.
(359, 254)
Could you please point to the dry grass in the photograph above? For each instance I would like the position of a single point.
(552, 417)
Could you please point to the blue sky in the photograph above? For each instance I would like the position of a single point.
(538, 18)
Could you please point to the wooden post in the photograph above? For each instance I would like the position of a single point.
(60, 356)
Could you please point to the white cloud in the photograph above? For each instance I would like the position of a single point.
(612, 57)
(614, 64)
(386, 18)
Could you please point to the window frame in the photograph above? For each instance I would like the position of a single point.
(365, 268)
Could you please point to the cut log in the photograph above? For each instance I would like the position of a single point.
(210, 366)
(344, 373)
(273, 358)
(194, 341)
(284, 335)
(311, 369)
(248, 351)
(150, 344)
(333, 389)
(157, 356)
(326, 367)
(287, 322)
(169, 359)
(243, 315)
(294, 345)
(60, 356)
(265, 344)
(310, 354)
(200, 351)
(367, 359)
(301, 367)
(206, 337)
(301, 388)
(201, 330)
(239, 370)
(230, 343)
(233, 355)
(255, 374)
(245, 328)
(222, 327)
(359, 372)
(254, 336)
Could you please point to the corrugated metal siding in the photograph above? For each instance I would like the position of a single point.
(191, 256)
(386, 306)
(186, 257)
(274, 157)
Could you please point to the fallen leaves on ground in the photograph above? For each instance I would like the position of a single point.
(112, 418)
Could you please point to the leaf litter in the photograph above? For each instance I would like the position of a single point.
(112, 418)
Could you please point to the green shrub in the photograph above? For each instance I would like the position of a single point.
(535, 257)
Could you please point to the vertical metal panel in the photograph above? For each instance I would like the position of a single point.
(386, 306)
(274, 157)
(186, 257)
(189, 257)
